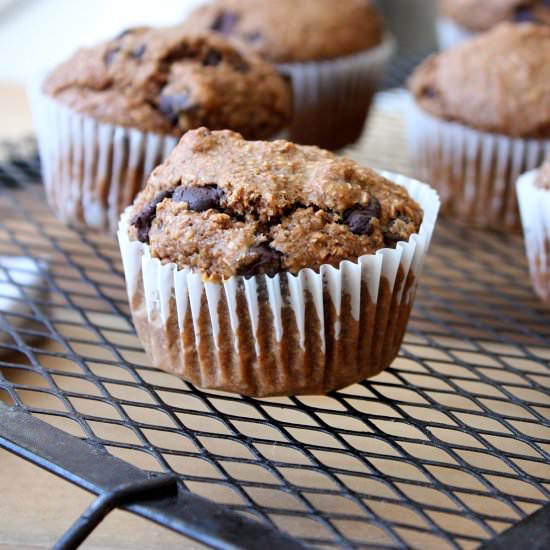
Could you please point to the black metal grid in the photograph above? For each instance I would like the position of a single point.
(446, 449)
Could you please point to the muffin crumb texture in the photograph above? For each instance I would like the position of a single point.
(498, 82)
(481, 15)
(168, 81)
(286, 31)
(224, 206)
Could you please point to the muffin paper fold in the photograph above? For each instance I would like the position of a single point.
(534, 204)
(474, 172)
(332, 97)
(309, 333)
(92, 170)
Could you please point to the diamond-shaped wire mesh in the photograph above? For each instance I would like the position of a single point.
(446, 449)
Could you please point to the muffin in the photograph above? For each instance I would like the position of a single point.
(268, 268)
(111, 113)
(459, 20)
(479, 118)
(334, 57)
(533, 191)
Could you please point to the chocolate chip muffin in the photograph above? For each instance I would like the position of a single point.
(167, 82)
(481, 118)
(482, 15)
(333, 56)
(533, 191)
(130, 98)
(257, 267)
(289, 31)
(461, 19)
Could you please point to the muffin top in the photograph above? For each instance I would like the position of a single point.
(294, 30)
(497, 82)
(543, 177)
(481, 15)
(225, 206)
(168, 81)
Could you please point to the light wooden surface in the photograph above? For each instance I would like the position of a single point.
(37, 507)
(15, 115)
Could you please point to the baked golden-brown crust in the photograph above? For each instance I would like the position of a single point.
(225, 206)
(481, 15)
(294, 30)
(169, 81)
(497, 82)
(543, 177)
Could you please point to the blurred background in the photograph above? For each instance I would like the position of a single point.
(37, 34)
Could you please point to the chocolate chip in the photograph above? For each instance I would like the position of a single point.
(171, 106)
(392, 237)
(429, 92)
(242, 66)
(143, 221)
(524, 14)
(225, 22)
(110, 56)
(212, 59)
(359, 217)
(252, 37)
(137, 53)
(267, 261)
(200, 199)
(123, 33)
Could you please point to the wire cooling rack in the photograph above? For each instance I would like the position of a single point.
(449, 448)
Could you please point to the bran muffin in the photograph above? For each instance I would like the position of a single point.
(268, 268)
(333, 57)
(533, 191)
(481, 117)
(461, 19)
(140, 92)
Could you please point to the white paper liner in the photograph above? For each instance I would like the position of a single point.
(450, 33)
(92, 170)
(309, 333)
(475, 172)
(534, 205)
(332, 97)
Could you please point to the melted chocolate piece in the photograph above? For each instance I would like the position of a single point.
(171, 106)
(392, 237)
(144, 219)
(225, 22)
(110, 56)
(137, 53)
(430, 93)
(358, 218)
(524, 14)
(252, 37)
(200, 199)
(213, 59)
(268, 261)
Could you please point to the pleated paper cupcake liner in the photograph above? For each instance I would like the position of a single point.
(534, 204)
(332, 98)
(474, 172)
(306, 334)
(451, 34)
(92, 170)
